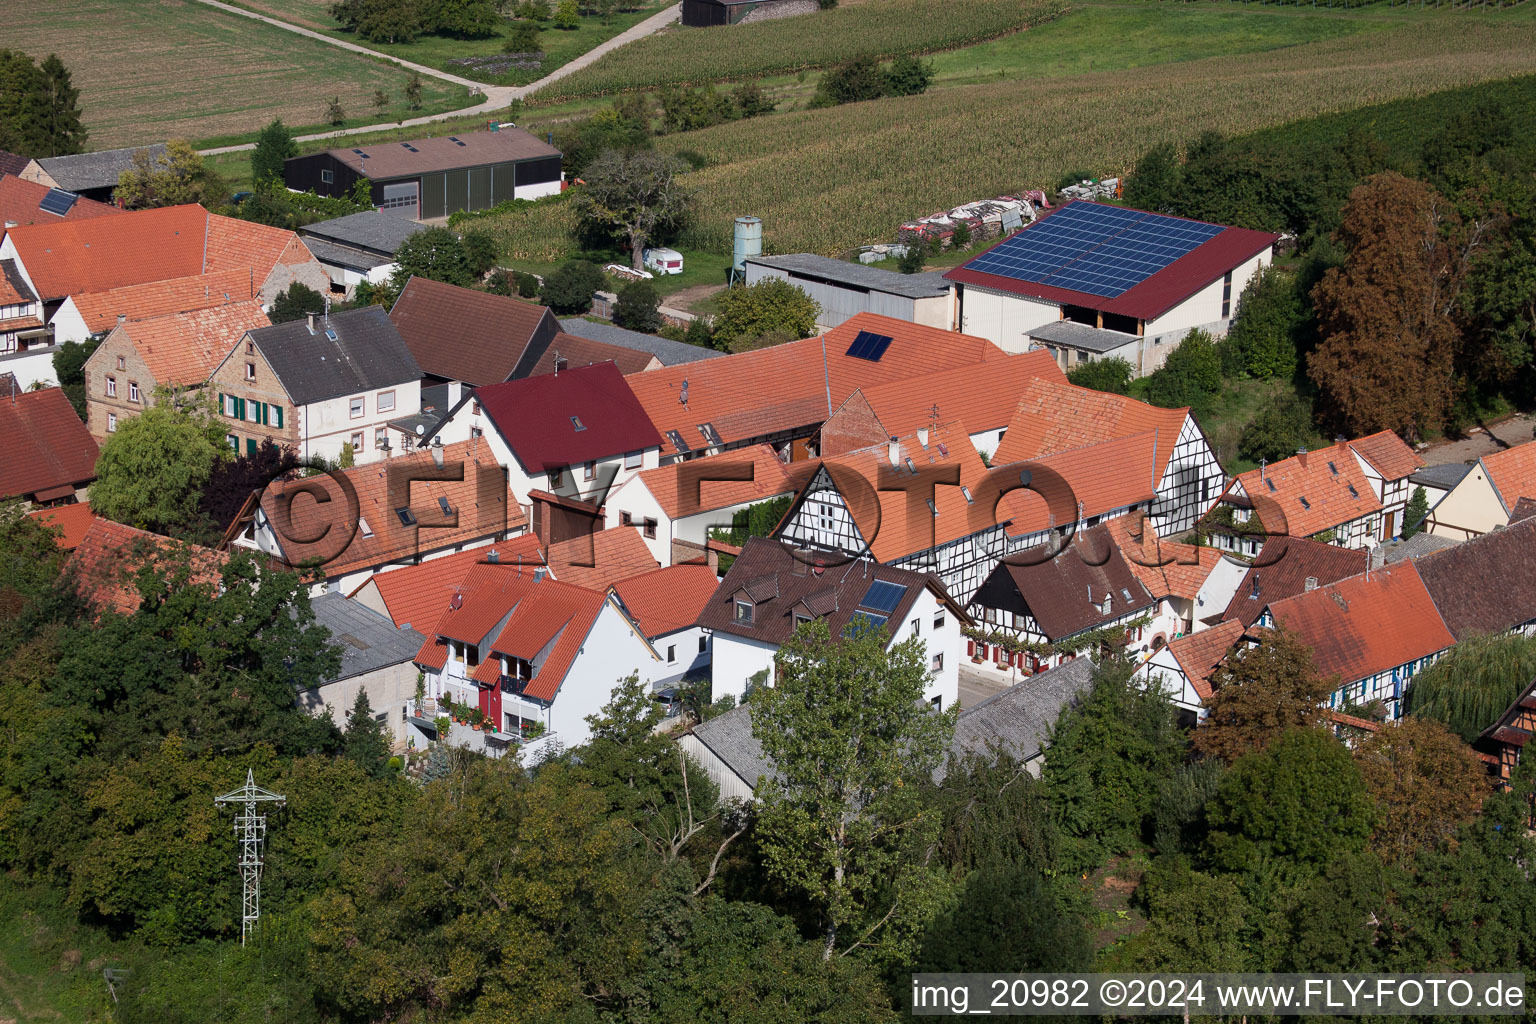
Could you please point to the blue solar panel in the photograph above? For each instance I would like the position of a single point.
(883, 597)
(1088, 247)
(869, 345)
(864, 620)
(57, 202)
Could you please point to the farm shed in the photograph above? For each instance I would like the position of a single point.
(704, 13)
(845, 289)
(1137, 281)
(425, 179)
(88, 175)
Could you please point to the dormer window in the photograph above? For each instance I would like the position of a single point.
(744, 612)
(801, 619)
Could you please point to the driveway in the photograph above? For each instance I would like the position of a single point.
(493, 97)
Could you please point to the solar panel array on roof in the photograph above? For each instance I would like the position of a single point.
(57, 202)
(1101, 250)
(868, 345)
(864, 620)
(883, 596)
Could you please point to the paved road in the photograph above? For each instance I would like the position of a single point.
(1518, 429)
(493, 97)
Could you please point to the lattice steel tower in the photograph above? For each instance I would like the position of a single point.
(251, 828)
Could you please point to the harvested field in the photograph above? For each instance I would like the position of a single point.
(149, 70)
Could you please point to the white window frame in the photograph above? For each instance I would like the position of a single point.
(111, 387)
(634, 460)
(111, 422)
(357, 407)
(133, 391)
(379, 401)
(250, 371)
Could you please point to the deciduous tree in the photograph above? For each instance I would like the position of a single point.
(637, 307)
(772, 305)
(635, 194)
(177, 178)
(151, 471)
(1112, 374)
(436, 254)
(1262, 341)
(569, 290)
(1473, 683)
(296, 302)
(1426, 783)
(1259, 693)
(1191, 375)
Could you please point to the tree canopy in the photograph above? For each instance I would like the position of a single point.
(1473, 683)
(635, 194)
(175, 179)
(151, 471)
(274, 145)
(39, 107)
(772, 306)
(1259, 692)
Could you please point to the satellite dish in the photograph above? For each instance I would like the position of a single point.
(421, 428)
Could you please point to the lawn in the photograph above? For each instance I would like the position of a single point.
(50, 967)
(149, 70)
(559, 46)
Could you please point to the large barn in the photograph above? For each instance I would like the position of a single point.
(704, 13)
(1089, 281)
(424, 179)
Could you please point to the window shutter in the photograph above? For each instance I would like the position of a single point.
(239, 408)
(279, 410)
(261, 413)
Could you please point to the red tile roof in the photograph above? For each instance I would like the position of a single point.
(1388, 454)
(110, 555)
(1151, 297)
(1052, 416)
(14, 290)
(982, 399)
(47, 446)
(184, 348)
(413, 594)
(481, 501)
(786, 387)
(468, 335)
(1282, 569)
(1198, 654)
(1103, 478)
(1166, 568)
(1311, 493)
(1513, 473)
(1366, 624)
(71, 521)
(568, 418)
(19, 201)
(668, 599)
(100, 310)
(600, 559)
(682, 488)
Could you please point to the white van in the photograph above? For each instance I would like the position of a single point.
(663, 261)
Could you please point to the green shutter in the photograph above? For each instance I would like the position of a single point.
(240, 409)
(261, 413)
(250, 446)
(279, 410)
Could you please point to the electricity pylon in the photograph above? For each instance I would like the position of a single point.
(251, 828)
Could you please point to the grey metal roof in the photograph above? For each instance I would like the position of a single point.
(344, 255)
(368, 640)
(1019, 720)
(730, 738)
(1445, 476)
(857, 275)
(366, 353)
(370, 229)
(671, 353)
(94, 170)
(1076, 335)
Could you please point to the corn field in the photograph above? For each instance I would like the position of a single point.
(825, 180)
(882, 29)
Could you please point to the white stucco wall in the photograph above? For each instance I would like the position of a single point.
(1470, 509)
(325, 426)
(611, 651)
(735, 660)
(686, 650)
(1216, 592)
(1001, 317)
(1204, 307)
(68, 324)
(31, 367)
(389, 690)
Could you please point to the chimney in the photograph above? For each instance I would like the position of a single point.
(493, 557)
(122, 318)
(1301, 456)
(1309, 584)
(893, 451)
(437, 455)
(311, 323)
(11, 224)
(538, 573)
(922, 436)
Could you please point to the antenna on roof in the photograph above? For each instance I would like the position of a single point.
(327, 301)
(557, 362)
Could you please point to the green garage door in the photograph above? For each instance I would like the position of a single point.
(479, 188)
(458, 189)
(504, 182)
(432, 197)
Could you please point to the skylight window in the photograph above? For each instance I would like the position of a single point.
(910, 467)
(577, 424)
(442, 503)
(1270, 482)
(932, 507)
(407, 517)
(1333, 469)
(967, 492)
(1352, 492)
(331, 334)
(1304, 502)
(363, 527)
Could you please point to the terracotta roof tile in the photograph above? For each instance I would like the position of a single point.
(110, 555)
(413, 594)
(667, 483)
(1053, 416)
(1363, 625)
(1388, 454)
(72, 521)
(184, 348)
(983, 400)
(1486, 584)
(1311, 493)
(668, 599)
(481, 502)
(46, 444)
(1513, 473)
(1166, 568)
(14, 290)
(574, 352)
(468, 335)
(1103, 478)
(600, 559)
(20, 199)
(1281, 570)
(786, 387)
(1198, 654)
(100, 310)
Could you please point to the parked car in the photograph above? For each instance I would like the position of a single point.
(663, 261)
(627, 273)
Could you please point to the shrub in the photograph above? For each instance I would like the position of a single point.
(569, 290)
(523, 37)
(851, 82)
(1112, 374)
(1279, 429)
(908, 76)
(1191, 376)
(636, 307)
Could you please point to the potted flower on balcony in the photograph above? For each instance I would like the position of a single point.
(421, 692)
(477, 719)
(533, 730)
(443, 724)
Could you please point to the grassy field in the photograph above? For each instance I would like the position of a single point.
(149, 70)
(559, 46)
(50, 967)
(886, 28)
(824, 180)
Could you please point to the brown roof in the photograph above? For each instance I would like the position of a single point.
(47, 447)
(184, 348)
(786, 387)
(468, 335)
(602, 558)
(668, 599)
(1065, 592)
(1524, 509)
(1198, 654)
(1281, 570)
(1488, 583)
(110, 555)
(480, 502)
(20, 199)
(1053, 416)
(100, 310)
(1166, 568)
(778, 584)
(12, 163)
(1363, 625)
(1513, 473)
(573, 352)
(383, 160)
(684, 489)
(412, 593)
